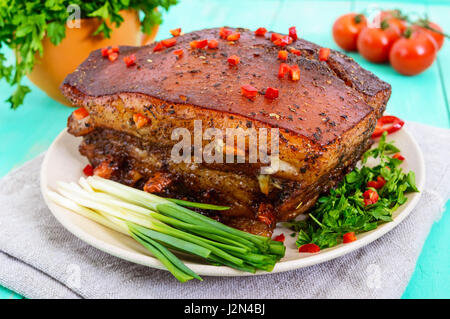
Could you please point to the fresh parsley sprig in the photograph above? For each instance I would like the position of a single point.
(24, 24)
(343, 210)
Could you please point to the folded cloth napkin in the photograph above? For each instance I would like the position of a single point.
(40, 259)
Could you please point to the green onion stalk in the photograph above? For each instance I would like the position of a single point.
(164, 226)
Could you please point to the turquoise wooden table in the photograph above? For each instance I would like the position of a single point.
(28, 131)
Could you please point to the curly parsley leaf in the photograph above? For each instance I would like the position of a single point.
(24, 24)
(343, 209)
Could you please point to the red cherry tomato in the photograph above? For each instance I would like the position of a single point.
(346, 30)
(438, 37)
(374, 44)
(414, 54)
(392, 17)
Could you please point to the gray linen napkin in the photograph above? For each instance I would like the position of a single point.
(40, 259)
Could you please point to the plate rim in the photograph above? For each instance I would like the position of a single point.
(210, 270)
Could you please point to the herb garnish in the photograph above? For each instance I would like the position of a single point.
(24, 24)
(343, 210)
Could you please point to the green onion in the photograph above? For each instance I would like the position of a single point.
(162, 225)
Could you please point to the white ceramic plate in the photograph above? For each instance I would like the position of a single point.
(63, 163)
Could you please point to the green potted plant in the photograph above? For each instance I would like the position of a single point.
(51, 38)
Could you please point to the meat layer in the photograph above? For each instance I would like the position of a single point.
(325, 119)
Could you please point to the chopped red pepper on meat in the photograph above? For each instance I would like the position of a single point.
(280, 238)
(88, 170)
(283, 69)
(175, 32)
(398, 156)
(169, 42)
(233, 37)
(130, 60)
(105, 169)
(283, 41)
(378, 184)
(348, 237)
(249, 91)
(370, 197)
(233, 60)
(294, 73)
(213, 44)
(323, 54)
(265, 214)
(80, 113)
(389, 124)
(260, 31)
(296, 52)
(113, 56)
(178, 53)
(198, 44)
(140, 120)
(115, 49)
(271, 93)
(275, 36)
(157, 183)
(105, 52)
(309, 248)
(224, 33)
(282, 55)
(158, 47)
(293, 33)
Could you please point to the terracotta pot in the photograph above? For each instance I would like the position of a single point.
(58, 61)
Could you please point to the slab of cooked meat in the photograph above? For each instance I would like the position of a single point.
(325, 121)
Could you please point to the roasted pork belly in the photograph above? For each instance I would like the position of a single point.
(325, 121)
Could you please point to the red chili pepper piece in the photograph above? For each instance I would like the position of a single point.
(387, 123)
(284, 68)
(88, 170)
(265, 214)
(370, 197)
(323, 54)
(309, 248)
(80, 113)
(169, 42)
(130, 60)
(260, 31)
(115, 49)
(175, 32)
(224, 33)
(158, 47)
(348, 237)
(293, 33)
(249, 91)
(198, 44)
(378, 184)
(294, 73)
(398, 156)
(280, 238)
(233, 60)
(282, 55)
(178, 53)
(283, 41)
(213, 44)
(271, 93)
(105, 52)
(140, 120)
(113, 56)
(275, 36)
(296, 52)
(233, 37)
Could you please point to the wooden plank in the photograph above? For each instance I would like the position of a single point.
(418, 98)
(440, 14)
(200, 14)
(313, 19)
